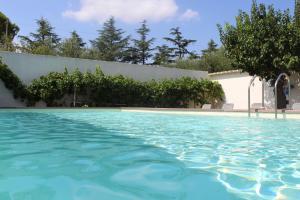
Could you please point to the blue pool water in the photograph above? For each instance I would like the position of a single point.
(107, 154)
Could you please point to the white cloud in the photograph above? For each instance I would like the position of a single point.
(189, 15)
(125, 10)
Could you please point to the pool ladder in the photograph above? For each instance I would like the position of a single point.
(263, 92)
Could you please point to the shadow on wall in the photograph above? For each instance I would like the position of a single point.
(295, 88)
(269, 96)
(7, 99)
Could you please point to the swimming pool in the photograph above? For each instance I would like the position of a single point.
(109, 154)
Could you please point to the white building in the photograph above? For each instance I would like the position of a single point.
(235, 85)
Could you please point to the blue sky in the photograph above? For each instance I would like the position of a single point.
(197, 18)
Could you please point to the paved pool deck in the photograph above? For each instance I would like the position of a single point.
(282, 114)
(270, 114)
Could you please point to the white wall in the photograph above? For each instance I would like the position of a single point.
(235, 85)
(28, 67)
(295, 91)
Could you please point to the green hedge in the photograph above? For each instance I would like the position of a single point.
(97, 89)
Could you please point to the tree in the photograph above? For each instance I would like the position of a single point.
(110, 43)
(264, 43)
(130, 55)
(211, 62)
(142, 46)
(297, 13)
(215, 61)
(44, 41)
(163, 55)
(8, 31)
(181, 44)
(73, 46)
(212, 47)
(193, 55)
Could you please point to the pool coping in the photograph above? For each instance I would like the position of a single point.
(270, 114)
(282, 114)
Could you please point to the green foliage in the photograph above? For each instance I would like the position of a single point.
(73, 46)
(297, 13)
(265, 42)
(214, 61)
(142, 46)
(180, 43)
(164, 55)
(12, 82)
(110, 44)
(44, 41)
(12, 31)
(99, 90)
(212, 47)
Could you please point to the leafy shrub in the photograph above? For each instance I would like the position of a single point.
(98, 89)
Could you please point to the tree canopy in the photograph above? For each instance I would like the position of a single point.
(265, 42)
(110, 44)
(215, 61)
(297, 13)
(6, 26)
(164, 55)
(142, 46)
(180, 43)
(212, 47)
(73, 46)
(43, 41)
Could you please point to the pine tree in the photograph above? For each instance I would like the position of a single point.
(164, 55)
(73, 46)
(44, 41)
(142, 47)
(110, 44)
(211, 47)
(181, 44)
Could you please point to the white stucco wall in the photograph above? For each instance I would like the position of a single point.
(28, 67)
(235, 85)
